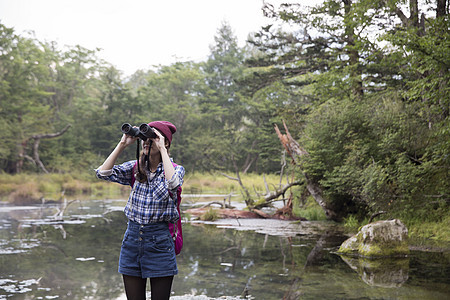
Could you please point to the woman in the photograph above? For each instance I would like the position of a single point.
(148, 249)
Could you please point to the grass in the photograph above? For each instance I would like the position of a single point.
(210, 215)
(32, 188)
(196, 183)
(437, 231)
(310, 210)
(352, 224)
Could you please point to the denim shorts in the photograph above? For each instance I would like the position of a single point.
(148, 251)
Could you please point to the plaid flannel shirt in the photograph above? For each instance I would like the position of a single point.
(149, 202)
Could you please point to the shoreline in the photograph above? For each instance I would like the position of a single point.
(421, 239)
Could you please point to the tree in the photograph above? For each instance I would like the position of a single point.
(42, 91)
(24, 78)
(375, 109)
(221, 103)
(171, 93)
(37, 139)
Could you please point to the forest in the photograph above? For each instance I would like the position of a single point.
(362, 86)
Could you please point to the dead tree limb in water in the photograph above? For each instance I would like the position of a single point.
(273, 196)
(296, 152)
(268, 198)
(247, 198)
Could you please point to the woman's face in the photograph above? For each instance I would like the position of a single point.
(145, 146)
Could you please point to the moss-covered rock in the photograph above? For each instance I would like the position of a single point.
(350, 246)
(379, 239)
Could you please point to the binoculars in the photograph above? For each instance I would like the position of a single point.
(144, 131)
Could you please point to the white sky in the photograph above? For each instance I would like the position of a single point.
(137, 34)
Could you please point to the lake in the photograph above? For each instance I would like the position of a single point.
(56, 252)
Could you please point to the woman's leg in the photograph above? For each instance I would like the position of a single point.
(161, 287)
(134, 287)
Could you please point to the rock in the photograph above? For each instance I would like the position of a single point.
(350, 246)
(379, 239)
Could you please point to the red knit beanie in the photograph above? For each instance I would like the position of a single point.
(165, 127)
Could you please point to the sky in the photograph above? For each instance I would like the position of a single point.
(137, 34)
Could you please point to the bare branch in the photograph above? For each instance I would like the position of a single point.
(275, 195)
(37, 139)
(29, 158)
(229, 177)
(283, 165)
(51, 135)
(373, 216)
(265, 184)
(402, 16)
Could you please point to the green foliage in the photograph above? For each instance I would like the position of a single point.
(373, 155)
(210, 215)
(351, 223)
(437, 230)
(376, 129)
(311, 212)
(362, 87)
(426, 60)
(216, 183)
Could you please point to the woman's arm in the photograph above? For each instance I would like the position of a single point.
(169, 170)
(110, 161)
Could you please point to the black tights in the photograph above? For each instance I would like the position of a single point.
(135, 287)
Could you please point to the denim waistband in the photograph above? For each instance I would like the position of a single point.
(158, 226)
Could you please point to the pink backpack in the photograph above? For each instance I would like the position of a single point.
(175, 229)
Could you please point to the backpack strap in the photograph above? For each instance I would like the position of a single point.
(133, 179)
(176, 229)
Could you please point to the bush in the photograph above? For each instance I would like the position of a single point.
(378, 154)
(310, 210)
(210, 215)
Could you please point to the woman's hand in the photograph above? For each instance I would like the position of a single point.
(127, 140)
(160, 141)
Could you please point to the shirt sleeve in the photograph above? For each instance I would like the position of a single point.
(177, 178)
(121, 174)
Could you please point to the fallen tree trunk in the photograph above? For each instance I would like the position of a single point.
(296, 152)
(225, 213)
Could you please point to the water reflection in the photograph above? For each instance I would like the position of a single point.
(74, 256)
(382, 272)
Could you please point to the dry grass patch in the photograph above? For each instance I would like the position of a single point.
(34, 187)
(27, 193)
(217, 183)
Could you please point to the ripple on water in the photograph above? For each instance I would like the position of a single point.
(17, 246)
(17, 287)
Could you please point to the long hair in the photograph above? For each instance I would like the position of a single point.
(143, 163)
